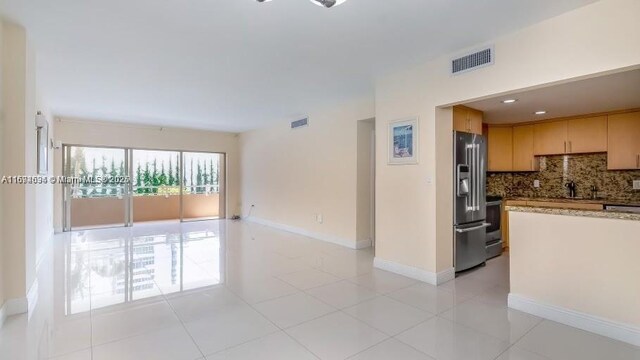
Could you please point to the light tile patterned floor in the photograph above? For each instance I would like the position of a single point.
(233, 290)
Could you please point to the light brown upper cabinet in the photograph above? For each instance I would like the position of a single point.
(523, 145)
(624, 141)
(467, 120)
(587, 135)
(500, 148)
(550, 138)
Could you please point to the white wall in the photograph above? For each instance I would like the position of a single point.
(26, 209)
(101, 133)
(292, 175)
(413, 210)
(2, 251)
(31, 221)
(14, 111)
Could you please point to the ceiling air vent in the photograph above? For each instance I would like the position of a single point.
(300, 123)
(473, 61)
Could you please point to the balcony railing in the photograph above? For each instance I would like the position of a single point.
(82, 192)
(93, 206)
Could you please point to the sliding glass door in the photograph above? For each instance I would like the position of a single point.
(203, 191)
(120, 186)
(97, 191)
(156, 185)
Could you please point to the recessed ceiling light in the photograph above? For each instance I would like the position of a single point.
(541, 112)
(509, 101)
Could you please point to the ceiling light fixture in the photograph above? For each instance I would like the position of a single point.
(541, 112)
(323, 3)
(328, 3)
(509, 101)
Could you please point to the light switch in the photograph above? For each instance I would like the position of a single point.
(536, 183)
(636, 184)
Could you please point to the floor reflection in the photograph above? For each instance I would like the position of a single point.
(106, 267)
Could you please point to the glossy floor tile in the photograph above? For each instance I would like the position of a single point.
(230, 326)
(382, 281)
(234, 290)
(336, 336)
(500, 322)
(391, 349)
(388, 315)
(445, 340)
(309, 278)
(557, 341)
(292, 310)
(342, 294)
(279, 346)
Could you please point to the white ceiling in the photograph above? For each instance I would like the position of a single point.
(600, 94)
(239, 64)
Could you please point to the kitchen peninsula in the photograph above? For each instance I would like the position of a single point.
(570, 255)
(570, 265)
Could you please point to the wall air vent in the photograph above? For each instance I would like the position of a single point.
(300, 123)
(472, 61)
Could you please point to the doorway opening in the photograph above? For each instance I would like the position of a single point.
(366, 162)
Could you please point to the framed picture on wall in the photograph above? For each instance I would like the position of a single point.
(403, 141)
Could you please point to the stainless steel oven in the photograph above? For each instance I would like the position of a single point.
(494, 241)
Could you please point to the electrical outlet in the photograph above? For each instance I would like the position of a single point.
(636, 184)
(536, 183)
(319, 218)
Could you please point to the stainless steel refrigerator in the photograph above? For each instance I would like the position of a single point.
(470, 158)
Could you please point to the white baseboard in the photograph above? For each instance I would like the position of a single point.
(611, 329)
(13, 307)
(415, 273)
(328, 238)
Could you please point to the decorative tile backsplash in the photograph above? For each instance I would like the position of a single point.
(555, 171)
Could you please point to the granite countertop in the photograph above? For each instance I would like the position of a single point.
(578, 200)
(574, 212)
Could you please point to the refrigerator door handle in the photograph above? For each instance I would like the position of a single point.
(480, 178)
(472, 189)
(484, 225)
(475, 177)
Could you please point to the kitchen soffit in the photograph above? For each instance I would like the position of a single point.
(595, 95)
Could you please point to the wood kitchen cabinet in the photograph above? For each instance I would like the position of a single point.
(550, 138)
(624, 141)
(467, 120)
(523, 148)
(500, 148)
(587, 135)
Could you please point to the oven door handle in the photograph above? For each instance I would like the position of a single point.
(473, 228)
(494, 203)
